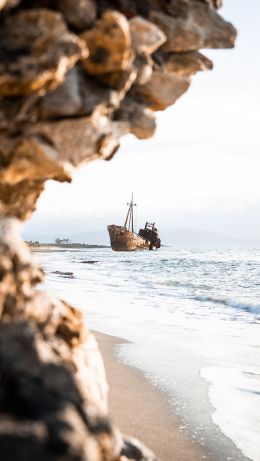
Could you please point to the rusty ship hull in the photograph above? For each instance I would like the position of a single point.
(122, 239)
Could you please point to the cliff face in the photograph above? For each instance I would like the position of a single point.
(75, 76)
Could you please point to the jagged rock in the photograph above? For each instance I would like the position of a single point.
(6, 147)
(109, 44)
(217, 3)
(121, 80)
(17, 274)
(96, 97)
(47, 391)
(129, 8)
(8, 3)
(53, 317)
(60, 107)
(36, 52)
(184, 64)
(64, 101)
(53, 399)
(132, 8)
(141, 121)
(20, 199)
(171, 88)
(15, 111)
(108, 146)
(89, 136)
(79, 14)
(134, 450)
(144, 68)
(201, 27)
(34, 158)
(36, 141)
(146, 37)
(79, 95)
(179, 8)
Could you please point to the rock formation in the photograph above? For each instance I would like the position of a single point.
(75, 76)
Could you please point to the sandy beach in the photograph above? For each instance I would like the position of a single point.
(60, 249)
(142, 411)
(46, 249)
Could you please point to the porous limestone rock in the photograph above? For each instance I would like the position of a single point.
(109, 44)
(184, 64)
(8, 3)
(37, 50)
(146, 37)
(171, 88)
(53, 399)
(51, 87)
(78, 14)
(34, 158)
(199, 27)
(75, 76)
(20, 199)
(140, 119)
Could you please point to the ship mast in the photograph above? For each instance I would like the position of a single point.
(129, 222)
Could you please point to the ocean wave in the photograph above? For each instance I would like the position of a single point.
(249, 307)
(179, 283)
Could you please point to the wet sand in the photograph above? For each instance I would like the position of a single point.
(142, 411)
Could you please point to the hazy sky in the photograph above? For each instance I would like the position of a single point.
(200, 171)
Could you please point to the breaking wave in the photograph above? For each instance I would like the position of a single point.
(248, 307)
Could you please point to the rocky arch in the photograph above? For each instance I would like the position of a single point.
(99, 69)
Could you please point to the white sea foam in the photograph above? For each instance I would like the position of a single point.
(235, 395)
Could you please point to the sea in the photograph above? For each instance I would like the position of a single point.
(191, 321)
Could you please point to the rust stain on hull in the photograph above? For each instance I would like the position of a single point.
(123, 239)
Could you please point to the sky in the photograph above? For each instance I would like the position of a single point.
(200, 171)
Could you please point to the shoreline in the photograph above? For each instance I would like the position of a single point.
(54, 248)
(171, 356)
(46, 249)
(142, 411)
